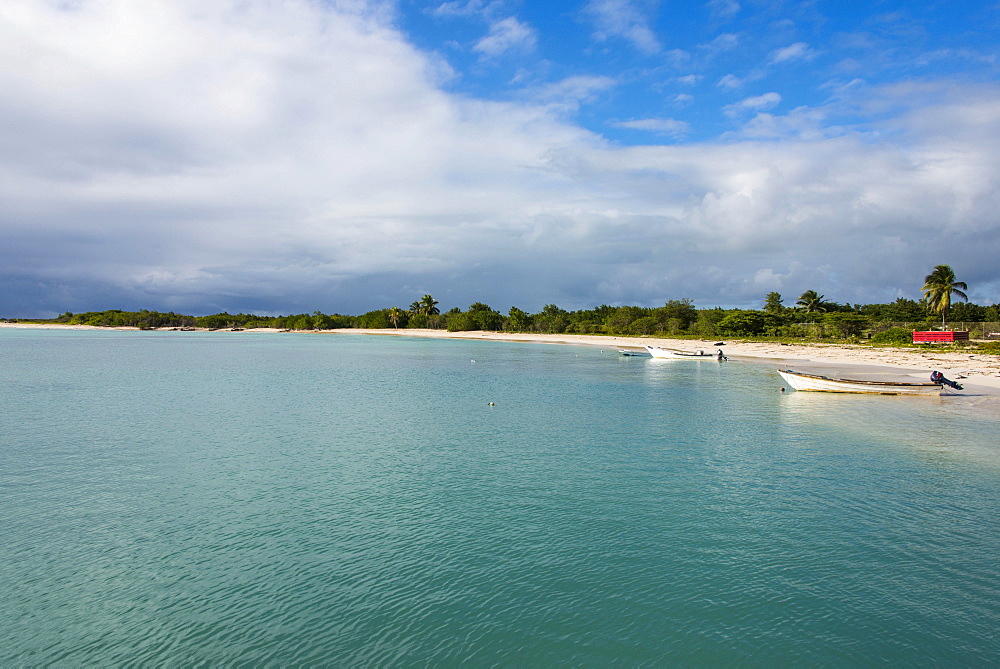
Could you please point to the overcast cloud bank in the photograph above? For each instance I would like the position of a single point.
(290, 156)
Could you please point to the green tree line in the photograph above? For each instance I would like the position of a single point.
(676, 318)
(812, 316)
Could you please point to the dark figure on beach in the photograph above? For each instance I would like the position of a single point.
(721, 357)
(938, 377)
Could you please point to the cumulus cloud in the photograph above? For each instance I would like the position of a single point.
(797, 51)
(729, 82)
(661, 126)
(723, 9)
(625, 19)
(461, 8)
(506, 35)
(568, 93)
(721, 43)
(753, 104)
(291, 156)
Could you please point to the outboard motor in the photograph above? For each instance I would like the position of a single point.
(938, 377)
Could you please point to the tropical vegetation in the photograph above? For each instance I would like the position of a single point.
(813, 318)
(811, 302)
(939, 287)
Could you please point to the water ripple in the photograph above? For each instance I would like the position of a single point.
(318, 501)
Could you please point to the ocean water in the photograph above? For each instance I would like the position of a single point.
(177, 499)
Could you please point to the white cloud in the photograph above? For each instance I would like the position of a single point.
(462, 8)
(767, 279)
(293, 156)
(804, 123)
(723, 9)
(721, 43)
(626, 19)
(755, 103)
(797, 51)
(568, 93)
(662, 126)
(729, 82)
(507, 35)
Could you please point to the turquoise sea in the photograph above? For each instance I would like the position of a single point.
(179, 499)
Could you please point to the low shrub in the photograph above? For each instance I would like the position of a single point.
(991, 347)
(893, 336)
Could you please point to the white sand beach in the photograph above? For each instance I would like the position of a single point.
(982, 371)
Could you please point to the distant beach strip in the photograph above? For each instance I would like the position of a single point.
(981, 372)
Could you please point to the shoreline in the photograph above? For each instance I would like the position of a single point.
(979, 370)
(982, 371)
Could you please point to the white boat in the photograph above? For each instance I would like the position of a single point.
(801, 381)
(674, 354)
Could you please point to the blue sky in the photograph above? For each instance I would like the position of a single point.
(282, 156)
(695, 71)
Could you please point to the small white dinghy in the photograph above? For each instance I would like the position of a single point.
(674, 354)
(800, 381)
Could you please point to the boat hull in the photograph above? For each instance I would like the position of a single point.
(816, 382)
(670, 354)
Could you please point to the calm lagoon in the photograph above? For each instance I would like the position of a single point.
(182, 498)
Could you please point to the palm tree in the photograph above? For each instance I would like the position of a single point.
(395, 315)
(938, 288)
(428, 306)
(811, 301)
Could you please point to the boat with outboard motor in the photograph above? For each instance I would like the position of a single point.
(674, 354)
(818, 382)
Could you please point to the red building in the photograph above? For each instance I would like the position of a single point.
(935, 336)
